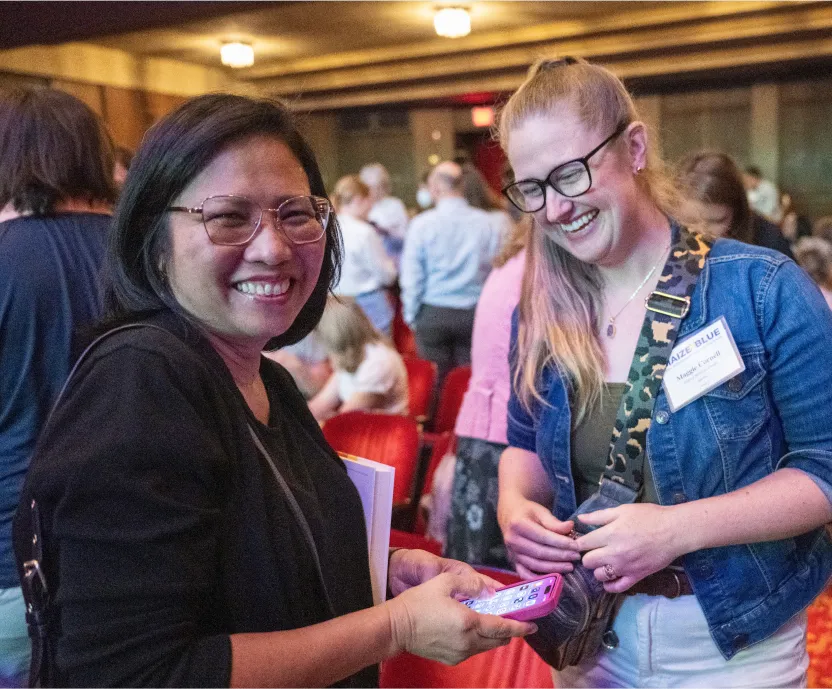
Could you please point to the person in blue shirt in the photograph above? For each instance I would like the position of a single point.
(447, 257)
(56, 192)
(737, 483)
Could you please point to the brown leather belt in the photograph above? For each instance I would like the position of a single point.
(669, 582)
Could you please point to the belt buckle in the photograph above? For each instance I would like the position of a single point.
(678, 584)
(680, 304)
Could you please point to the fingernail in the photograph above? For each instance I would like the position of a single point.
(534, 629)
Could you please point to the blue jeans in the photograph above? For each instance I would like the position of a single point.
(14, 639)
(378, 309)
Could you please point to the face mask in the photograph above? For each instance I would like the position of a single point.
(423, 198)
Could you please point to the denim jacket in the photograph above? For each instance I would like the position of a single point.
(776, 413)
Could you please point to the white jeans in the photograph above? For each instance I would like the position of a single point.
(665, 642)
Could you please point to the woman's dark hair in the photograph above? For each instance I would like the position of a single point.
(714, 177)
(52, 147)
(174, 151)
(476, 191)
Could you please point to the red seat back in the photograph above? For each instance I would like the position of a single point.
(385, 438)
(450, 399)
(403, 338)
(421, 377)
(514, 665)
(405, 539)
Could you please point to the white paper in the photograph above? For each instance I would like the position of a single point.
(374, 482)
(700, 363)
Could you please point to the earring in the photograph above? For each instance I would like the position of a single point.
(639, 170)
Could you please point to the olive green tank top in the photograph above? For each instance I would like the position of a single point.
(591, 447)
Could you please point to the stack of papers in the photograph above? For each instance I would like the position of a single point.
(374, 482)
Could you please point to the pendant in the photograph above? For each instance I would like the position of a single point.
(611, 330)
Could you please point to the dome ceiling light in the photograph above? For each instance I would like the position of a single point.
(452, 22)
(237, 55)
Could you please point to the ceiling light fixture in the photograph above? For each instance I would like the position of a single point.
(237, 54)
(452, 22)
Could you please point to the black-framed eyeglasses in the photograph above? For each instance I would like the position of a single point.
(234, 220)
(570, 179)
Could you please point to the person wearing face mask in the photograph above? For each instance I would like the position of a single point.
(367, 270)
(717, 487)
(423, 197)
(194, 528)
(447, 257)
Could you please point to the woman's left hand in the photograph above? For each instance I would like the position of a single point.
(632, 541)
(410, 568)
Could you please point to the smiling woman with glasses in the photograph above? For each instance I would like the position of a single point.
(569, 179)
(718, 500)
(234, 220)
(193, 526)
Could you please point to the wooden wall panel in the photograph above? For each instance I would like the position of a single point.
(805, 145)
(160, 104)
(717, 120)
(391, 147)
(126, 114)
(91, 94)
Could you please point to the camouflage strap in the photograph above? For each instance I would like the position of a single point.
(666, 307)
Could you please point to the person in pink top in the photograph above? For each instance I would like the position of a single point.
(473, 534)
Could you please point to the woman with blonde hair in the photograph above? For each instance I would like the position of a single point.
(717, 540)
(367, 270)
(368, 373)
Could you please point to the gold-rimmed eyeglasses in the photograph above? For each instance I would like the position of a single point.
(234, 220)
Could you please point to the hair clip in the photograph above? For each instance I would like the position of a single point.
(547, 64)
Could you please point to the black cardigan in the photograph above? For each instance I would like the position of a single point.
(165, 530)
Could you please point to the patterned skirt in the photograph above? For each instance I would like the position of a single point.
(473, 533)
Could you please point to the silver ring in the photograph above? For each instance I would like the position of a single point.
(610, 572)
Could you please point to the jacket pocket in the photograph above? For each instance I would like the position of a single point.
(740, 406)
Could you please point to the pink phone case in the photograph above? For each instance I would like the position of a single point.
(525, 600)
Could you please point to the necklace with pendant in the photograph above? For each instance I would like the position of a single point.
(611, 325)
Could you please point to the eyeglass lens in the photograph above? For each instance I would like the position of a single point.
(571, 179)
(235, 219)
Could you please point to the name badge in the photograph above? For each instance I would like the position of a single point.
(700, 363)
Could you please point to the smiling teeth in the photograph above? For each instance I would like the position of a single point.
(580, 223)
(267, 289)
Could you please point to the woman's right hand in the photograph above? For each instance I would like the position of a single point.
(536, 540)
(429, 621)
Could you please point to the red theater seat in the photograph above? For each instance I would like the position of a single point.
(386, 438)
(514, 665)
(450, 399)
(421, 377)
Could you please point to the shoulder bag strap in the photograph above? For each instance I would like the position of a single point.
(298, 514)
(667, 306)
(34, 584)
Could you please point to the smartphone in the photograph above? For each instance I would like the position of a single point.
(525, 600)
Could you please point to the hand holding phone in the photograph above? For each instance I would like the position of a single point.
(523, 601)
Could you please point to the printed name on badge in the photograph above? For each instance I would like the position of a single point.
(700, 363)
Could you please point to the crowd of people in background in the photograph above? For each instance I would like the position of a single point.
(448, 267)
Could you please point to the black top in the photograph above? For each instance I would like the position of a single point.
(165, 529)
(49, 286)
(768, 235)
